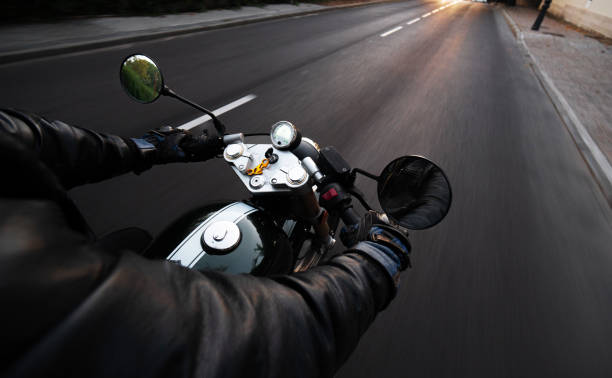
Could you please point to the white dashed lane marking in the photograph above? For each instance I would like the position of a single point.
(224, 109)
(391, 31)
(419, 18)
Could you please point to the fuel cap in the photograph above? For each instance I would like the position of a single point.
(222, 236)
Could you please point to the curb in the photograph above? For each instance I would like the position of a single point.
(596, 161)
(144, 35)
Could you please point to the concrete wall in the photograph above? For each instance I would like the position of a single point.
(595, 15)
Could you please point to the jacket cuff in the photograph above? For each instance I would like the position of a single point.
(383, 256)
(143, 152)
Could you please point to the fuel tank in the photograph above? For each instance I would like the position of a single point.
(231, 237)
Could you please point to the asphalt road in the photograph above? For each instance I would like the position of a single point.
(516, 282)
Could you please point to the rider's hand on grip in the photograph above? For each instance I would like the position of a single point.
(374, 227)
(166, 141)
(168, 145)
(204, 146)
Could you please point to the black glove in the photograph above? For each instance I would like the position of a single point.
(202, 147)
(374, 227)
(168, 145)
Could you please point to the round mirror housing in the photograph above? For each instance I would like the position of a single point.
(414, 192)
(141, 78)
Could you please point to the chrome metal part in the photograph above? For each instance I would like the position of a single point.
(234, 151)
(190, 250)
(296, 175)
(312, 169)
(257, 182)
(284, 176)
(284, 135)
(221, 236)
(233, 138)
(242, 160)
(312, 143)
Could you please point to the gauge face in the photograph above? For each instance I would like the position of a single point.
(284, 135)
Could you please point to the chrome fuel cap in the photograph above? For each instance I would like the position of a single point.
(222, 236)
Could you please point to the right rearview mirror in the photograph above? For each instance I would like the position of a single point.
(414, 192)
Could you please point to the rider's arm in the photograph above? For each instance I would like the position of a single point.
(75, 155)
(78, 156)
(70, 309)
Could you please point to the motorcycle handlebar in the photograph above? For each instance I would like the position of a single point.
(349, 216)
(336, 199)
(233, 138)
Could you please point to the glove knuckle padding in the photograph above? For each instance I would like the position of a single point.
(373, 228)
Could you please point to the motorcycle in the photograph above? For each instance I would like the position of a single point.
(299, 194)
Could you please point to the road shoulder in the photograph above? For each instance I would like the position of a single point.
(574, 71)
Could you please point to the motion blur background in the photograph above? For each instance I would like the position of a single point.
(14, 10)
(515, 282)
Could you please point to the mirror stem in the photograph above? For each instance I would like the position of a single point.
(357, 194)
(365, 173)
(218, 124)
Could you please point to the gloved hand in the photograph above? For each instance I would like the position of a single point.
(168, 145)
(375, 228)
(204, 146)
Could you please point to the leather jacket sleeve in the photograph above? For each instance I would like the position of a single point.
(72, 310)
(75, 155)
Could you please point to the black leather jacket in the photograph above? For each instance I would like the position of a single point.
(69, 309)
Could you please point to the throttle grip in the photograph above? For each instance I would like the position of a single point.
(349, 216)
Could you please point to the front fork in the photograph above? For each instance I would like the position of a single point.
(310, 234)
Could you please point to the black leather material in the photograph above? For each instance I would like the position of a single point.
(71, 309)
(75, 155)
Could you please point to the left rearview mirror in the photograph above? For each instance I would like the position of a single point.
(141, 78)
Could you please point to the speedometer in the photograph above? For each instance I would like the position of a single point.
(285, 135)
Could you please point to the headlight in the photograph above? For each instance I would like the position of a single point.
(284, 135)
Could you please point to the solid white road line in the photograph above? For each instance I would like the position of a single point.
(391, 31)
(413, 21)
(224, 109)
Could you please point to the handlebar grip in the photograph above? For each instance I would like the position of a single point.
(349, 216)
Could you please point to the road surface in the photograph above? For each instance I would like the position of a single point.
(516, 282)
